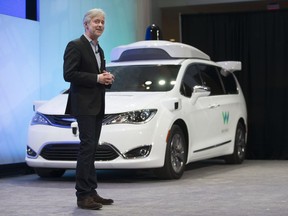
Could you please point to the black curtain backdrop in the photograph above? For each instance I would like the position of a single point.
(31, 9)
(260, 41)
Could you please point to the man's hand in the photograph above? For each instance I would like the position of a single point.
(106, 78)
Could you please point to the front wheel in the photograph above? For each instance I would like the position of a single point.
(175, 156)
(238, 155)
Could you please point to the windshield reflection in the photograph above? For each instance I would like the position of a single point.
(143, 77)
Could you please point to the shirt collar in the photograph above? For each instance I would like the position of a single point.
(90, 40)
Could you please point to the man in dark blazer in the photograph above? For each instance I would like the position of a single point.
(84, 68)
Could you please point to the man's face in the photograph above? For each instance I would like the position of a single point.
(95, 27)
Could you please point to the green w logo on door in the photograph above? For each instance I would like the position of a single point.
(225, 116)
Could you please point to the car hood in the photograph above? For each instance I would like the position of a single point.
(116, 102)
(55, 106)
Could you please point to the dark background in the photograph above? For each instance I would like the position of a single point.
(260, 41)
(31, 10)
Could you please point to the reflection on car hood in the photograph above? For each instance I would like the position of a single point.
(116, 102)
(55, 106)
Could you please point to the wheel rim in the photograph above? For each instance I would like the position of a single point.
(240, 143)
(177, 153)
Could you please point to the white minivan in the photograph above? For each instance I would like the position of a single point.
(170, 105)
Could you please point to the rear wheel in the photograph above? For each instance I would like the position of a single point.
(175, 157)
(239, 152)
(49, 173)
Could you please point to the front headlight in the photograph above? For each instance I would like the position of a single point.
(133, 117)
(39, 119)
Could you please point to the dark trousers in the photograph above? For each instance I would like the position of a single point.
(89, 132)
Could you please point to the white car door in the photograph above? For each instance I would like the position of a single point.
(219, 109)
(199, 113)
(205, 110)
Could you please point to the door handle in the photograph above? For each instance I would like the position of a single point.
(214, 106)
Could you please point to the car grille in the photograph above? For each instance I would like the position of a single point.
(68, 152)
(66, 120)
(60, 120)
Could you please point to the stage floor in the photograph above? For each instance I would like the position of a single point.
(255, 188)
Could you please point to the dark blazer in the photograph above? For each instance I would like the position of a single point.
(86, 96)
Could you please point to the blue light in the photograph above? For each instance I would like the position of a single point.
(16, 8)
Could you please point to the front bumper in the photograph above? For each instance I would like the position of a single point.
(120, 147)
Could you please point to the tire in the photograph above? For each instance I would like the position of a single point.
(175, 156)
(238, 155)
(49, 173)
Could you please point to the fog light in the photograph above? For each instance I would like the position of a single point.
(30, 152)
(138, 152)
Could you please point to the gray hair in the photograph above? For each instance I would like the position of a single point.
(91, 14)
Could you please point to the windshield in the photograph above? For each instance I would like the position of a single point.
(143, 77)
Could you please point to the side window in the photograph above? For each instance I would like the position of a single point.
(230, 84)
(190, 79)
(210, 77)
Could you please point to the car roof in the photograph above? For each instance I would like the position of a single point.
(155, 50)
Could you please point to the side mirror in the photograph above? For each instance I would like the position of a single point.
(200, 91)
